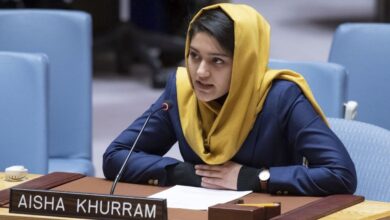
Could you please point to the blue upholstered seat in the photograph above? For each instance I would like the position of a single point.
(23, 111)
(65, 37)
(327, 81)
(369, 147)
(364, 50)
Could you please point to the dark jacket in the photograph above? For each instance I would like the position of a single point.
(286, 130)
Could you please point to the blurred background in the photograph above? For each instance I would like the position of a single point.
(137, 43)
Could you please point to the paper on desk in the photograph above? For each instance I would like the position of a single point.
(187, 197)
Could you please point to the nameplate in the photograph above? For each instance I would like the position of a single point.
(85, 205)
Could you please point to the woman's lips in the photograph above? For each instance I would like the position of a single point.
(203, 86)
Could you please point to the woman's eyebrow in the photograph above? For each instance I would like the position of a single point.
(219, 54)
(212, 54)
(192, 48)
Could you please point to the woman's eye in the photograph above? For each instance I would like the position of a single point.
(194, 55)
(218, 61)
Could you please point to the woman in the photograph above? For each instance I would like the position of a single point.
(239, 125)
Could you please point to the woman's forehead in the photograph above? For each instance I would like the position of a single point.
(207, 43)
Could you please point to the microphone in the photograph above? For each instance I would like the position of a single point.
(165, 106)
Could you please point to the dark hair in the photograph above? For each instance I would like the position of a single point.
(216, 23)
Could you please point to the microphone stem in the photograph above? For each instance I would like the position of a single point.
(131, 150)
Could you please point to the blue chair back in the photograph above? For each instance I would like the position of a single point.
(65, 37)
(369, 147)
(326, 80)
(23, 111)
(364, 50)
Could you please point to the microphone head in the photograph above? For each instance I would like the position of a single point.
(166, 105)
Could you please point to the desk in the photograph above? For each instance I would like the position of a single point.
(364, 210)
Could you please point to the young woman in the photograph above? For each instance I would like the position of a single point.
(239, 125)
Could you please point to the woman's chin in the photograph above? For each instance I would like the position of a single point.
(204, 97)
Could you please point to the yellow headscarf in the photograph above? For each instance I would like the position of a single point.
(214, 132)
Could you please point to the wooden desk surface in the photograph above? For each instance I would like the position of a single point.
(102, 186)
(7, 184)
(364, 210)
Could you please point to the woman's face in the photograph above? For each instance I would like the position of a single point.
(210, 67)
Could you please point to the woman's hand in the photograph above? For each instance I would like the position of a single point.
(223, 176)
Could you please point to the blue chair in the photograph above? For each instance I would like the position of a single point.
(23, 111)
(65, 37)
(369, 147)
(364, 50)
(328, 83)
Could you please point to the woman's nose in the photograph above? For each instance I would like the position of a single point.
(203, 70)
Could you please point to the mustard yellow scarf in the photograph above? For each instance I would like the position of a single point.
(217, 132)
